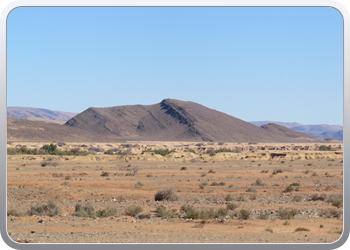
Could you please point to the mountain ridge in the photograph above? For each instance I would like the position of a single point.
(321, 131)
(176, 120)
(169, 120)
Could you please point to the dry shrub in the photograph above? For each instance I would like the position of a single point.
(231, 206)
(167, 194)
(133, 210)
(84, 209)
(47, 209)
(287, 214)
(317, 197)
(96, 149)
(50, 161)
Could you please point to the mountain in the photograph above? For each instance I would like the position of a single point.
(26, 130)
(284, 124)
(38, 114)
(174, 120)
(321, 131)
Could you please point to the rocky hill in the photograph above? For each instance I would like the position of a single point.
(174, 120)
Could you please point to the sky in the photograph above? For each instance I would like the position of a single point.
(254, 63)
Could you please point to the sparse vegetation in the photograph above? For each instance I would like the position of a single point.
(287, 214)
(231, 206)
(104, 174)
(217, 192)
(213, 152)
(314, 174)
(193, 213)
(102, 213)
(245, 214)
(300, 229)
(297, 198)
(84, 209)
(259, 182)
(164, 213)
(96, 149)
(325, 148)
(288, 189)
(251, 190)
(133, 210)
(241, 198)
(203, 184)
(331, 213)
(277, 171)
(47, 209)
(48, 149)
(264, 216)
(229, 197)
(167, 194)
(162, 152)
(21, 151)
(138, 184)
(318, 197)
(13, 212)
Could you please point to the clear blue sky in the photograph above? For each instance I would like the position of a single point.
(282, 64)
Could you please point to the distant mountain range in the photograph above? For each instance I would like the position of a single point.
(38, 114)
(322, 131)
(169, 120)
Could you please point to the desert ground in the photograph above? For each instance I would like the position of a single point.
(206, 193)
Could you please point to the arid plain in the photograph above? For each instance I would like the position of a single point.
(176, 192)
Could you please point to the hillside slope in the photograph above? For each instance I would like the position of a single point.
(174, 120)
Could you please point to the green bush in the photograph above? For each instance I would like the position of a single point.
(50, 149)
(325, 148)
(212, 152)
(162, 152)
(21, 151)
(245, 214)
(109, 152)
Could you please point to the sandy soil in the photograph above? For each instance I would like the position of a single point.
(75, 179)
